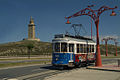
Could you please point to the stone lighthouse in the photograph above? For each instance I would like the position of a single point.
(31, 30)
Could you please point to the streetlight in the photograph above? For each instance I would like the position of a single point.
(68, 22)
(91, 19)
(91, 28)
(113, 13)
(116, 47)
(94, 14)
(106, 40)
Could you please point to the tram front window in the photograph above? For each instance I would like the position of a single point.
(57, 47)
(63, 47)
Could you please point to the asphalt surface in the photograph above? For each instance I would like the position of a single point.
(108, 61)
(86, 74)
(21, 61)
(104, 61)
(36, 72)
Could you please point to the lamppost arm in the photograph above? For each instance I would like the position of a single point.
(104, 8)
(92, 13)
(86, 11)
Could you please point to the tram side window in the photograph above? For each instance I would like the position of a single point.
(63, 47)
(81, 48)
(71, 47)
(88, 48)
(92, 48)
(85, 48)
(57, 47)
(78, 50)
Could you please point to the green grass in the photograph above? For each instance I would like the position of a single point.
(14, 59)
(20, 48)
(3, 65)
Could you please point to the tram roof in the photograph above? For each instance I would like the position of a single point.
(74, 38)
(77, 37)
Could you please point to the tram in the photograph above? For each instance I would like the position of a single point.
(72, 51)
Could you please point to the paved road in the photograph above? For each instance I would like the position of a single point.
(21, 61)
(36, 72)
(107, 61)
(104, 61)
(86, 74)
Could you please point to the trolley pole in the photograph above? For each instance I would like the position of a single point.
(91, 28)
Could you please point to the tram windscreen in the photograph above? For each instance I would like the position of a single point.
(57, 47)
(63, 47)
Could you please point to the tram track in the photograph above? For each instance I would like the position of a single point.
(30, 72)
(36, 75)
(48, 74)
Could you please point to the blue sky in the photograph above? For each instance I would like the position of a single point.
(49, 17)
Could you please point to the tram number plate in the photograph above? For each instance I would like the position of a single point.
(56, 55)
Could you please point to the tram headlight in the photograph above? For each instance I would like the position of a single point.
(56, 59)
(56, 55)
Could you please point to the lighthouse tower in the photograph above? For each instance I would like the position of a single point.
(31, 31)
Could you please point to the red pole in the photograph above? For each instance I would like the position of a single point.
(106, 48)
(91, 27)
(116, 49)
(98, 62)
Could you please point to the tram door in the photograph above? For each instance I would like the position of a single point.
(71, 50)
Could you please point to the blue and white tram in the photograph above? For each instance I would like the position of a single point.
(72, 51)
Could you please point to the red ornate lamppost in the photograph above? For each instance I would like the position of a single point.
(106, 40)
(94, 14)
(116, 47)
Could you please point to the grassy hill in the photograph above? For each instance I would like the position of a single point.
(40, 48)
(20, 48)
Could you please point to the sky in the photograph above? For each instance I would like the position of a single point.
(49, 18)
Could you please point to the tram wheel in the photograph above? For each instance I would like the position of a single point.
(78, 66)
(61, 68)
